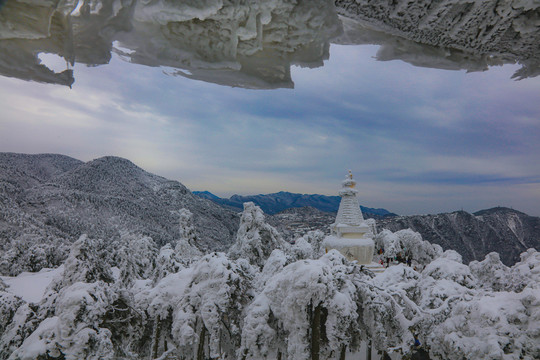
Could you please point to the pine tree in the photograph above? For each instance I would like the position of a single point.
(209, 317)
(255, 239)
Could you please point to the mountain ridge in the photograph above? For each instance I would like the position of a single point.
(276, 202)
(506, 231)
(47, 196)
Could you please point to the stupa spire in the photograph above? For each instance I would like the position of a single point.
(349, 212)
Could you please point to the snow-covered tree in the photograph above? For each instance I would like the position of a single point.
(74, 332)
(166, 263)
(499, 325)
(275, 263)
(491, 273)
(71, 313)
(460, 312)
(9, 303)
(450, 267)
(83, 315)
(186, 253)
(159, 302)
(208, 319)
(301, 249)
(135, 256)
(87, 262)
(499, 320)
(315, 239)
(307, 310)
(187, 229)
(23, 322)
(388, 241)
(408, 243)
(384, 310)
(255, 239)
(526, 273)
(32, 253)
(292, 304)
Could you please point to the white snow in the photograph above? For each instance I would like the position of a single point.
(227, 307)
(37, 343)
(340, 242)
(31, 286)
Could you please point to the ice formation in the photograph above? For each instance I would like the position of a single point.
(456, 34)
(249, 44)
(253, 44)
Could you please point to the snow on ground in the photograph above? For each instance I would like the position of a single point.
(31, 286)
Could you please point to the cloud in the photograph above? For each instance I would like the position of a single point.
(416, 139)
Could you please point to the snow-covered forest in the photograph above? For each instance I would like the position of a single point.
(268, 299)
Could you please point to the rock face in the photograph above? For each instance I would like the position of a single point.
(506, 231)
(57, 196)
(490, 31)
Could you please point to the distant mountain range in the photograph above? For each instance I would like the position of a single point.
(277, 202)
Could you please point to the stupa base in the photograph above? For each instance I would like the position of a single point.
(375, 267)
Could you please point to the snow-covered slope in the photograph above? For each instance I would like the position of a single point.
(30, 286)
(52, 198)
(506, 231)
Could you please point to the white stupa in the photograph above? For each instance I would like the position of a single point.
(350, 233)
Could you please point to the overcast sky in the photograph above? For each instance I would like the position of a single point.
(418, 140)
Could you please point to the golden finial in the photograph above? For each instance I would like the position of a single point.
(349, 182)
